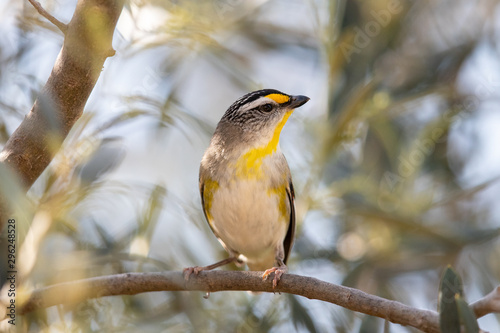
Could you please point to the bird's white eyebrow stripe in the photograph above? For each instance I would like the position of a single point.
(258, 102)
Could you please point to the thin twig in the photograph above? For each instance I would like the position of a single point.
(63, 27)
(488, 304)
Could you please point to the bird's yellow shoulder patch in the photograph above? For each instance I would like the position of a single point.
(280, 193)
(278, 98)
(209, 188)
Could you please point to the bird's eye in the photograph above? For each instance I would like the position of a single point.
(266, 107)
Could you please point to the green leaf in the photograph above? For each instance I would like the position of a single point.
(467, 316)
(451, 286)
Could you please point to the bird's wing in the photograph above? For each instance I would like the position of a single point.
(201, 186)
(290, 235)
(204, 192)
(203, 204)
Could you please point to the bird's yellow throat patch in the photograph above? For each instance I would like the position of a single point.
(278, 98)
(249, 165)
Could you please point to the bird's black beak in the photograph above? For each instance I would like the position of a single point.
(296, 101)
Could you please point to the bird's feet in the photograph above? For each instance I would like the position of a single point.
(278, 272)
(190, 270)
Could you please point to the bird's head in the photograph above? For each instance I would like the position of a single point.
(258, 117)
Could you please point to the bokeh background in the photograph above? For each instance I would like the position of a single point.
(395, 159)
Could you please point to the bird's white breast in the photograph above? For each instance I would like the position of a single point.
(247, 218)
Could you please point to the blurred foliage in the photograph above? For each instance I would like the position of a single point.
(453, 309)
(380, 168)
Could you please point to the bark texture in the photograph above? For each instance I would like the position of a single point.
(86, 46)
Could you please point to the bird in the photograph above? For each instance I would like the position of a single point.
(246, 186)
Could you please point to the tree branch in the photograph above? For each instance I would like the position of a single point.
(63, 27)
(86, 46)
(135, 283)
(349, 298)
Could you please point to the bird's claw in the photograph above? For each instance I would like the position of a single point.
(278, 272)
(190, 270)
